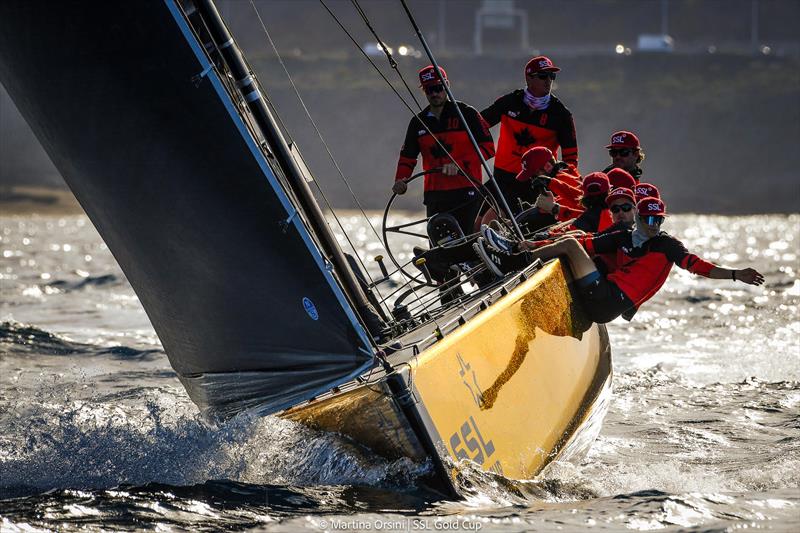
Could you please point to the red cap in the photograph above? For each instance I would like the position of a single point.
(651, 206)
(427, 76)
(595, 184)
(642, 190)
(624, 139)
(540, 64)
(618, 177)
(618, 193)
(533, 162)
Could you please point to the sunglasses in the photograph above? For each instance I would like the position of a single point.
(625, 208)
(430, 89)
(653, 220)
(622, 152)
(544, 75)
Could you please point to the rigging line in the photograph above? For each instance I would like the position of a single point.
(485, 165)
(478, 188)
(335, 163)
(490, 198)
(393, 64)
(386, 51)
(449, 286)
(314, 124)
(330, 154)
(231, 68)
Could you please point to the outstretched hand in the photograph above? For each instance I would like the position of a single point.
(399, 187)
(750, 276)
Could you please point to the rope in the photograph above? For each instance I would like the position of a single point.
(335, 163)
(502, 199)
(392, 62)
(479, 187)
(327, 149)
(419, 298)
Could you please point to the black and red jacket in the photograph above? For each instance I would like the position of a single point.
(522, 128)
(640, 272)
(454, 140)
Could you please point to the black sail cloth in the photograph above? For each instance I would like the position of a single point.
(125, 104)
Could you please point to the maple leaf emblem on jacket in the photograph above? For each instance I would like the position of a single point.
(441, 149)
(524, 137)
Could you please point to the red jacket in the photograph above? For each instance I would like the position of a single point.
(567, 189)
(592, 220)
(641, 272)
(453, 137)
(522, 128)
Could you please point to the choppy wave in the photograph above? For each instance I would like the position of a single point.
(85, 282)
(21, 339)
(703, 430)
(157, 436)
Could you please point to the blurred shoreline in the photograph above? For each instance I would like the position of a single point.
(718, 130)
(54, 201)
(38, 201)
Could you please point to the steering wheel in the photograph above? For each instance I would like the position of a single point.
(401, 228)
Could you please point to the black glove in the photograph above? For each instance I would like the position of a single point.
(541, 182)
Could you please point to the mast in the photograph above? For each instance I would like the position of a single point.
(248, 85)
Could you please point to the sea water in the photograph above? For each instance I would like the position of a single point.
(96, 432)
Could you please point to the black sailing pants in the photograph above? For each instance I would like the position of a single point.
(463, 204)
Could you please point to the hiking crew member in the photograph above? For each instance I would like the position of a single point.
(565, 202)
(643, 190)
(618, 177)
(530, 117)
(446, 190)
(622, 207)
(643, 259)
(591, 215)
(626, 153)
(540, 171)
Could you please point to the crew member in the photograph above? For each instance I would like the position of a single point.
(626, 153)
(643, 190)
(618, 177)
(453, 185)
(541, 171)
(565, 203)
(644, 259)
(622, 207)
(591, 215)
(530, 117)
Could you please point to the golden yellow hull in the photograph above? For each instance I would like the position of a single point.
(506, 390)
(510, 387)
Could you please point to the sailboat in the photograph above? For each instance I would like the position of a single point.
(160, 128)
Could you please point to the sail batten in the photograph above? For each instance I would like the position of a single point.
(181, 193)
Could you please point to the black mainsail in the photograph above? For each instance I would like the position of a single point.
(252, 309)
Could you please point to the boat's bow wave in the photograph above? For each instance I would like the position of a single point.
(155, 435)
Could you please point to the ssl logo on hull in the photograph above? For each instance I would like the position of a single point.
(468, 443)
